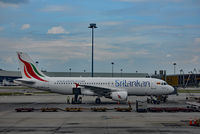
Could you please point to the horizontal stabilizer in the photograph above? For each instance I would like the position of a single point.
(23, 81)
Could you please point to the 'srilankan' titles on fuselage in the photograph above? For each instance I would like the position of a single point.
(132, 83)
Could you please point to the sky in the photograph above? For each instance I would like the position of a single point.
(137, 35)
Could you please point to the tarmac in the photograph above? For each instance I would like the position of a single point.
(109, 122)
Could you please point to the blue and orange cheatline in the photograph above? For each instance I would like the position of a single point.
(30, 69)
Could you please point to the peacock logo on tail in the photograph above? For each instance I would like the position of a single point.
(31, 71)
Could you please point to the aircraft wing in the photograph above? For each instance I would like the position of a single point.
(103, 91)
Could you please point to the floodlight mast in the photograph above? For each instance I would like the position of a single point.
(92, 26)
(174, 67)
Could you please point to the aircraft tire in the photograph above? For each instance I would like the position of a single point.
(98, 101)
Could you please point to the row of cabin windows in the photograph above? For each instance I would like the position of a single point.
(93, 83)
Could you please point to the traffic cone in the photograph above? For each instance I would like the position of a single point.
(190, 123)
(195, 122)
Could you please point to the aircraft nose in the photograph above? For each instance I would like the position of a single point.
(172, 90)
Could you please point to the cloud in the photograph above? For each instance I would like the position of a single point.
(195, 59)
(157, 27)
(110, 23)
(57, 30)
(106, 54)
(197, 40)
(69, 48)
(133, 0)
(150, 1)
(168, 55)
(12, 3)
(25, 26)
(1, 28)
(56, 8)
(8, 60)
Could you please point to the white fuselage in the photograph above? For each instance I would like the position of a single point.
(117, 89)
(133, 86)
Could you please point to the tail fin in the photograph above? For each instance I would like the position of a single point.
(29, 70)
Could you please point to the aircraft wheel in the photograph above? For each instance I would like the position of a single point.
(98, 101)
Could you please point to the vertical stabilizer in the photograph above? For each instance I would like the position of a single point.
(29, 70)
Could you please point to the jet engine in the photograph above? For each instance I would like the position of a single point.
(119, 96)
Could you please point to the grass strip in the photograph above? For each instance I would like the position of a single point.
(19, 93)
(188, 91)
(14, 87)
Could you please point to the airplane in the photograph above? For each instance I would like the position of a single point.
(117, 89)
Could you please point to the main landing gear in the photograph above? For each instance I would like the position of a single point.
(98, 100)
(76, 100)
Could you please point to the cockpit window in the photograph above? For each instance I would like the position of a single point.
(163, 83)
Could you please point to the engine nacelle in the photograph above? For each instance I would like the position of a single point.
(119, 96)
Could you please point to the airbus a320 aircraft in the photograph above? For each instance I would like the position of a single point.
(117, 89)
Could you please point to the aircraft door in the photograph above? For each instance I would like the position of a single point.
(153, 85)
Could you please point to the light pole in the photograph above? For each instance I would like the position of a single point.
(174, 68)
(121, 71)
(112, 67)
(92, 26)
(70, 72)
